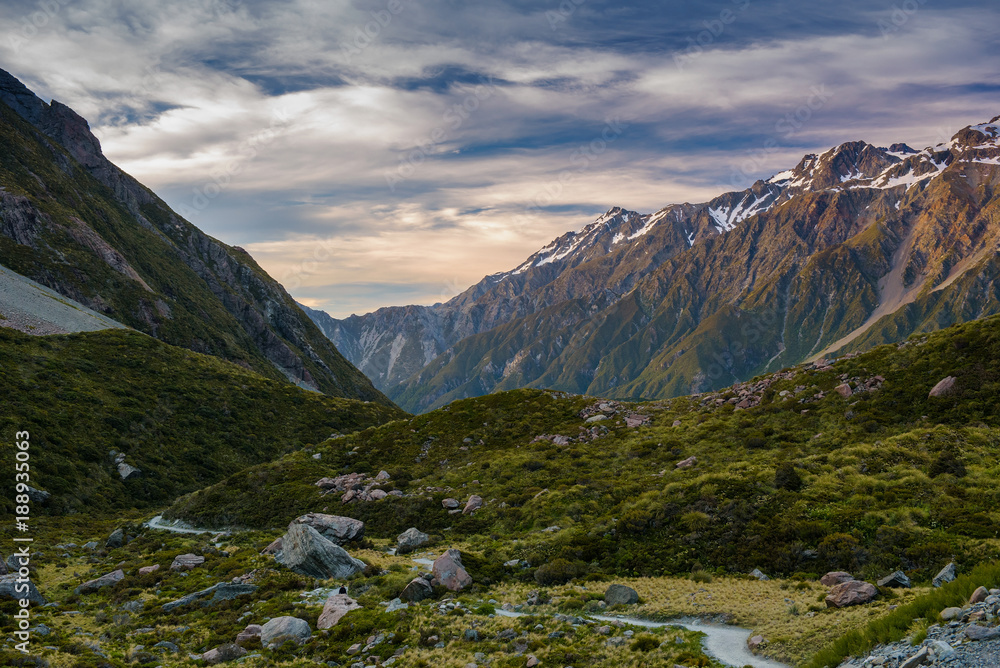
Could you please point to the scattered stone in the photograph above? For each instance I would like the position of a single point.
(91, 546)
(337, 529)
(687, 463)
(382, 475)
(223, 591)
(167, 646)
(978, 633)
(306, 552)
(617, 594)
(759, 574)
(756, 642)
(531, 662)
(917, 659)
(9, 589)
(396, 605)
(450, 504)
(949, 614)
(418, 590)
(474, 503)
(223, 654)
(334, 610)
(410, 540)
(128, 472)
(186, 562)
(979, 596)
(38, 496)
(844, 390)
(281, 629)
(835, 578)
(108, 580)
(636, 420)
(115, 540)
(596, 418)
(146, 570)
(944, 387)
(896, 580)
(946, 575)
(448, 571)
(850, 593)
(942, 650)
(249, 634)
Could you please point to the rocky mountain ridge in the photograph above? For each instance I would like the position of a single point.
(854, 246)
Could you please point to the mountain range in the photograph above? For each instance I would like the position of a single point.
(856, 246)
(75, 223)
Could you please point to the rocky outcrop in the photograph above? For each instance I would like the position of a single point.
(10, 588)
(249, 634)
(223, 654)
(334, 610)
(896, 579)
(417, 590)
(835, 578)
(223, 591)
(186, 562)
(410, 540)
(946, 575)
(449, 571)
(109, 580)
(474, 503)
(943, 388)
(306, 552)
(337, 529)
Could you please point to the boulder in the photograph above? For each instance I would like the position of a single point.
(223, 654)
(759, 574)
(377, 495)
(896, 580)
(38, 495)
(281, 629)
(450, 504)
(835, 578)
(918, 659)
(274, 547)
(949, 614)
(128, 472)
(944, 387)
(185, 562)
(418, 590)
(146, 570)
(116, 539)
(942, 651)
(112, 578)
(410, 540)
(850, 593)
(687, 463)
(756, 642)
(248, 635)
(448, 570)
(979, 595)
(10, 588)
(382, 475)
(334, 610)
(947, 574)
(844, 390)
(977, 633)
(618, 594)
(223, 591)
(337, 529)
(474, 503)
(306, 552)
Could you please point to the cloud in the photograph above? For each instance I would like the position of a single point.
(427, 144)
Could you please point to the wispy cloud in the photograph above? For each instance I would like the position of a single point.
(184, 94)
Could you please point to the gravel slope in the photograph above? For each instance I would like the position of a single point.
(35, 309)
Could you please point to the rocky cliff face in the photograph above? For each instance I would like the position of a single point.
(853, 247)
(74, 222)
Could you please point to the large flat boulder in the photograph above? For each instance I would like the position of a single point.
(449, 571)
(334, 528)
(306, 552)
(223, 591)
(617, 594)
(334, 610)
(10, 588)
(835, 578)
(410, 540)
(850, 593)
(108, 580)
(281, 629)
(185, 562)
(223, 654)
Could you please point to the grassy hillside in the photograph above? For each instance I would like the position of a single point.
(806, 481)
(186, 420)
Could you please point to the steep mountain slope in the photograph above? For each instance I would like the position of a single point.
(856, 246)
(72, 221)
(176, 419)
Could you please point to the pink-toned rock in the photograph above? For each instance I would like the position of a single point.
(248, 635)
(835, 578)
(474, 503)
(636, 420)
(334, 610)
(854, 592)
(450, 573)
(844, 390)
(223, 654)
(186, 562)
(756, 642)
(348, 496)
(146, 570)
(382, 475)
(531, 662)
(687, 463)
(377, 494)
(944, 387)
(342, 483)
(111, 579)
(979, 595)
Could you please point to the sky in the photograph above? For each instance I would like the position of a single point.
(389, 152)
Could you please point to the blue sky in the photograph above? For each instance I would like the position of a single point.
(396, 151)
